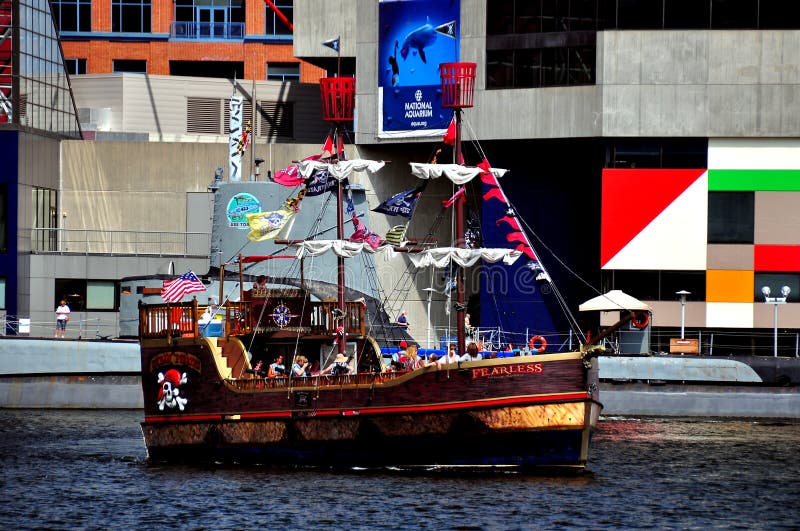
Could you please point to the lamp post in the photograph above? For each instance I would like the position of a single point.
(682, 294)
(775, 301)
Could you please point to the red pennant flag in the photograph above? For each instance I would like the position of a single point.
(450, 135)
(328, 146)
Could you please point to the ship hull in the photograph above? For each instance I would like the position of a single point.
(532, 411)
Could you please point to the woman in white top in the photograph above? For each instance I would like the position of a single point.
(62, 317)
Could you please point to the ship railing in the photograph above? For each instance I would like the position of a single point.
(237, 318)
(168, 320)
(324, 381)
(325, 318)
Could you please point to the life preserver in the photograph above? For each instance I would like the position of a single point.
(542, 344)
(640, 319)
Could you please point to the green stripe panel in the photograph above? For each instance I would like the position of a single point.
(754, 180)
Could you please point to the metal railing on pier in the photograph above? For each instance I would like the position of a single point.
(120, 242)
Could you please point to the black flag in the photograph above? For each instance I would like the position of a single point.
(401, 204)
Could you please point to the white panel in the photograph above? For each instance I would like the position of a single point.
(729, 315)
(753, 154)
(675, 239)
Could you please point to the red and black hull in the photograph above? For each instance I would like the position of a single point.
(525, 411)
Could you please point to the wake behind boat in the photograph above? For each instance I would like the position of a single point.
(374, 400)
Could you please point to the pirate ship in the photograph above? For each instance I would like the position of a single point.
(207, 399)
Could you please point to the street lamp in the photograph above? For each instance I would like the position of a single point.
(682, 294)
(775, 301)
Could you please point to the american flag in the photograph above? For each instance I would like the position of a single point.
(174, 290)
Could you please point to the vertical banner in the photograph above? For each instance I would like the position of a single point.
(234, 154)
(415, 37)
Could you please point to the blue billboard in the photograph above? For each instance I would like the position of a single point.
(415, 37)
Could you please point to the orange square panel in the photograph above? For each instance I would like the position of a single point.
(729, 286)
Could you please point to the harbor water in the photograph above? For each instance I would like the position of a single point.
(67, 469)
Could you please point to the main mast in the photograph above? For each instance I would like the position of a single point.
(338, 97)
(458, 82)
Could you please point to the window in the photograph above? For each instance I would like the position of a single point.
(658, 154)
(283, 71)
(130, 66)
(2, 294)
(75, 66)
(87, 295)
(727, 14)
(73, 15)
(44, 202)
(731, 217)
(274, 24)
(130, 16)
(101, 295)
(656, 285)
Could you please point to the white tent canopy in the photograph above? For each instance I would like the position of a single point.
(614, 300)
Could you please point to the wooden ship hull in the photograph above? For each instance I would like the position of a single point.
(527, 411)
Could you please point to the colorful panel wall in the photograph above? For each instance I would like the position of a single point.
(659, 219)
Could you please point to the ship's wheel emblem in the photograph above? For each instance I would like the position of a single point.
(281, 315)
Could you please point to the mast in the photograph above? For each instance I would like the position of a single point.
(458, 82)
(338, 97)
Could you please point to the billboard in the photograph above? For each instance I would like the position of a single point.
(415, 36)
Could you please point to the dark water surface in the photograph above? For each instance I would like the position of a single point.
(88, 470)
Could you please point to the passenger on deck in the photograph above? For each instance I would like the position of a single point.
(261, 282)
(413, 361)
(300, 367)
(472, 353)
(339, 366)
(432, 359)
(451, 358)
(402, 319)
(399, 357)
(258, 369)
(276, 369)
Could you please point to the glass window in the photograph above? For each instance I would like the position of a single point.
(778, 14)
(44, 220)
(734, 14)
(687, 14)
(101, 295)
(87, 295)
(283, 71)
(731, 217)
(71, 290)
(638, 14)
(2, 294)
(274, 24)
(691, 281)
(72, 15)
(131, 16)
(499, 17)
(130, 66)
(75, 66)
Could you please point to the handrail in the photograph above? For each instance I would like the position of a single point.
(119, 242)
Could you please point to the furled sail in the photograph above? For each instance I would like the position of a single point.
(339, 170)
(455, 172)
(441, 257)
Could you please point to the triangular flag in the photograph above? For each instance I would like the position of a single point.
(447, 29)
(328, 146)
(333, 44)
(450, 135)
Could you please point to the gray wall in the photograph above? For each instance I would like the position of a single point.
(732, 83)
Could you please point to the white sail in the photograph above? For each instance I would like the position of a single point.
(455, 172)
(339, 170)
(440, 257)
(344, 248)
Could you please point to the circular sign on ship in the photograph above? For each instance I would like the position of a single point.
(239, 206)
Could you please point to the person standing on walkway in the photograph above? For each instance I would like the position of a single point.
(62, 317)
